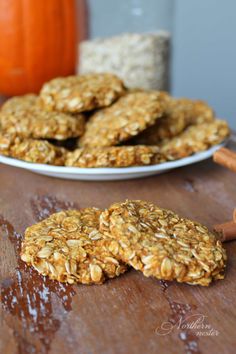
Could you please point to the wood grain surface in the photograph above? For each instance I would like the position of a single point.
(130, 314)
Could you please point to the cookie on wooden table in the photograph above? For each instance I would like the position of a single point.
(68, 247)
(25, 117)
(160, 243)
(114, 156)
(126, 118)
(81, 93)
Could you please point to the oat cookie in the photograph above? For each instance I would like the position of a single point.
(24, 117)
(194, 139)
(179, 114)
(19, 102)
(38, 151)
(6, 143)
(113, 156)
(161, 244)
(201, 112)
(68, 247)
(126, 118)
(81, 93)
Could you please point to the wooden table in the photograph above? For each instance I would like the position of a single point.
(130, 314)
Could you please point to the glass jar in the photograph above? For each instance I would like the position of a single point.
(125, 39)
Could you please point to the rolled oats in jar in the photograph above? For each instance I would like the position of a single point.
(141, 60)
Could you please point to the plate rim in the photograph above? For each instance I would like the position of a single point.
(197, 157)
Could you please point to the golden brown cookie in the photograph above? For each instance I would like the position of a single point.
(162, 244)
(126, 118)
(6, 143)
(19, 102)
(68, 247)
(194, 139)
(179, 114)
(113, 156)
(201, 112)
(81, 93)
(38, 151)
(24, 117)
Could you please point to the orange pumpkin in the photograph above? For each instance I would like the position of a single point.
(38, 41)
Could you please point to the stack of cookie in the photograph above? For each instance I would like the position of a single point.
(90, 245)
(94, 121)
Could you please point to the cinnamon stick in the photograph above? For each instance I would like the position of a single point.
(226, 231)
(234, 215)
(226, 158)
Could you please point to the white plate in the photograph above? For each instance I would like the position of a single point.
(106, 174)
